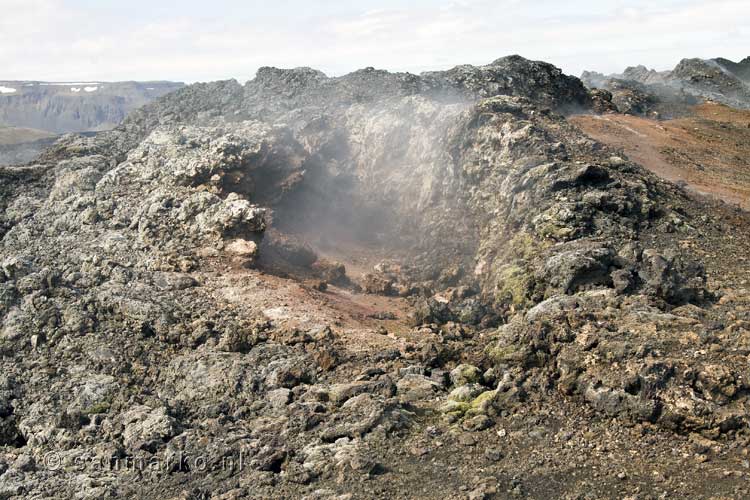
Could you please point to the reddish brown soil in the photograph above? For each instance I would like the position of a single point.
(708, 152)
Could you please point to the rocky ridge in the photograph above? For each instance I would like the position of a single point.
(639, 90)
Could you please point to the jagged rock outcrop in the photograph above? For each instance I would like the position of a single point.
(642, 91)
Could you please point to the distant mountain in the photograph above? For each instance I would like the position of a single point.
(741, 69)
(719, 80)
(62, 107)
(33, 113)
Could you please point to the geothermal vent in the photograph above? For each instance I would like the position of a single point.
(305, 276)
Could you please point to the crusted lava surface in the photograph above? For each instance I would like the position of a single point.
(372, 286)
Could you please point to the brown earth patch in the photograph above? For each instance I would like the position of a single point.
(708, 152)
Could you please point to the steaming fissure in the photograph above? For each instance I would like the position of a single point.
(317, 274)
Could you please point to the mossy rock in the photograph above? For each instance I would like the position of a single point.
(465, 393)
(513, 286)
(465, 374)
(558, 233)
(508, 354)
(523, 246)
(455, 408)
(482, 398)
(97, 408)
(482, 404)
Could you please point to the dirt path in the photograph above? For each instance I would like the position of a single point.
(709, 152)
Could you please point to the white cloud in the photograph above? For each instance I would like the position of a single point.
(53, 39)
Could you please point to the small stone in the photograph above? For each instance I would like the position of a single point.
(242, 248)
(146, 428)
(279, 398)
(701, 445)
(490, 377)
(467, 439)
(24, 463)
(319, 285)
(493, 454)
(322, 334)
(411, 370)
(432, 431)
(419, 451)
(439, 376)
(413, 387)
(364, 464)
(478, 494)
(478, 423)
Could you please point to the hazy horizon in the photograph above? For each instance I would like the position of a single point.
(83, 40)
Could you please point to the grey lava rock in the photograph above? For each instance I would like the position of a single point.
(155, 298)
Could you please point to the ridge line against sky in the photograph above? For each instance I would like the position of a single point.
(200, 41)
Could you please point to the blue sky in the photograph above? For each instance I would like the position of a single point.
(216, 39)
